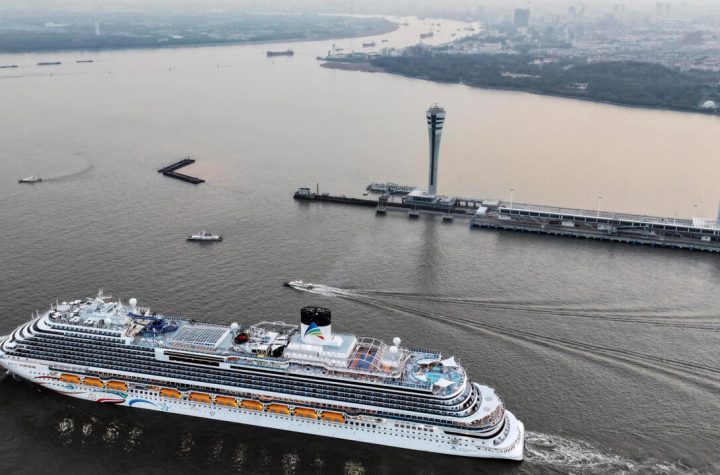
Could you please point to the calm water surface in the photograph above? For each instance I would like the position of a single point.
(607, 352)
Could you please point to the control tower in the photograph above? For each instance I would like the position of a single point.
(435, 120)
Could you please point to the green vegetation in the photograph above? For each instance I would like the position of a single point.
(626, 83)
(152, 30)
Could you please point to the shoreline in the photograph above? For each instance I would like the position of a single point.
(393, 26)
(365, 66)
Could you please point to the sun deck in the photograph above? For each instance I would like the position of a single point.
(275, 345)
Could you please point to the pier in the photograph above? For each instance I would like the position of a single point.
(171, 171)
(696, 234)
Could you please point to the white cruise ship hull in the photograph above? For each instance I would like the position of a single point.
(374, 432)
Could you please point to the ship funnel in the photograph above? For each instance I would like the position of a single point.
(315, 327)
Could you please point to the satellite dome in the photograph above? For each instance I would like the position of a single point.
(107, 322)
(133, 302)
(234, 326)
(709, 105)
(396, 341)
(393, 349)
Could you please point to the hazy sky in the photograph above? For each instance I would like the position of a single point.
(364, 6)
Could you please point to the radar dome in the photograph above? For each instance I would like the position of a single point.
(709, 105)
(133, 302)
(393, 349)
(396, 341)
(107, 322)
(234, 327)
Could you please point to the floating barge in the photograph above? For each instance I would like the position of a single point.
(698, 234)
(171, 171)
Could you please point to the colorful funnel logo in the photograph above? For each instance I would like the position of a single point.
(314, 330)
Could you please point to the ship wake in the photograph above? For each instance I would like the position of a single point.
(579, 456)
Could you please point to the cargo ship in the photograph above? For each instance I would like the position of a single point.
(288, 52)
(302, 378)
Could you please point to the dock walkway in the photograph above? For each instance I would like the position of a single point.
(171, 171)
(693, 234)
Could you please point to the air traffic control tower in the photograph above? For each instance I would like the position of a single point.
(435, 120)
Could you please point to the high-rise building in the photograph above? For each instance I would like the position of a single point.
(521, 19)
(435, 120)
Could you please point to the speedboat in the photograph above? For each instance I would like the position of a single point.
(299, 285)
(30, 179)
(205, 236)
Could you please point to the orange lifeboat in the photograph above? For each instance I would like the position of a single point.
(69, 378)
(305, 412)
(252, 405)
(332, 416)
(95, 382)
(278, 409)
(168, 392)
(200, 397)
(116, 385)
(225, 401)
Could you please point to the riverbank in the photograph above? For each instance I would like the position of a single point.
(132, 32)
(629, 84)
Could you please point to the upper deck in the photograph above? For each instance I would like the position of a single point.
(275, 346)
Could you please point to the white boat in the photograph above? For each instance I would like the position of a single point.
(30, 179)
(299, 285)
(205, 236)
(304, 378)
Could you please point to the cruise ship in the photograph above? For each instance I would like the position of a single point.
(302, 378)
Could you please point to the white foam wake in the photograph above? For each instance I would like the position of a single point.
(580, 456)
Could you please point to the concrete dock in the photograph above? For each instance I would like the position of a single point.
(171, 171)
(697, 234)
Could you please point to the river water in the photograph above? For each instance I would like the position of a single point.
(607, 352)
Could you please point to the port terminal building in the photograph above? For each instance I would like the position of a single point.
(695, 233)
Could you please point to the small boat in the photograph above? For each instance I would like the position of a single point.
(49, 63)
(368, 45)
(205, 236)
(30, 179)
(429, 34)
(288, 52)
(384, 41)
(299, 285)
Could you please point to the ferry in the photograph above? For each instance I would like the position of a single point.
(302, 378)
(30, 179)
(204, 236)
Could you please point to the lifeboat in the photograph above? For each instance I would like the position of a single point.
(69, 378)
(305, 412)
(225, 401)
(332, 416)
(278, 409)
(168, 392)
(116, 385)
(252, 405)
(200, 397)
(95, 382)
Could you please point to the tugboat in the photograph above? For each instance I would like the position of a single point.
(30, 179)
(205, 236)
(299, 285)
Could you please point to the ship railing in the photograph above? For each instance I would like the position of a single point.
(291, 389)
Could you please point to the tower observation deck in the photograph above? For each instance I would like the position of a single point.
(435, 121)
